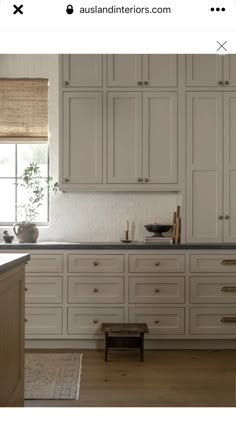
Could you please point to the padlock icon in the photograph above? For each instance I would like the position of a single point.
(69, 9)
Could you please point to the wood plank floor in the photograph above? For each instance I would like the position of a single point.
(165, 378)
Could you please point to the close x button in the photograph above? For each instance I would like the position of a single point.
(18, 9)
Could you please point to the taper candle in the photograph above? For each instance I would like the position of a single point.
(127, 226)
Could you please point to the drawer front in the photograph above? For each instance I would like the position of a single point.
(89, 320)
(154, 289)
(213, 321)
(156, 263)
(43, 321)
(160, 321)
(213, 263)
(96, 263)
(45, 264)
(45, 289)
(95, 289)
(213, 289)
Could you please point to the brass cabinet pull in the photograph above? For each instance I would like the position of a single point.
(95, 290)
(228, 319)
(26, 319)
(226, 217)
(157, 264)
(95, 321)
(146, 179)
(220, 83)
(140, 179)
(66, 83)
(228, 262)
(26, 290)
(228, 289)
(95, 263)
(145, 83)
(226, 82)
(157, 290)
(66, 179)
(139, 83)
(220, 217)
(156, 322)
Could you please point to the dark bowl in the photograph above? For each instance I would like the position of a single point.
(158, 229)
(8, 239)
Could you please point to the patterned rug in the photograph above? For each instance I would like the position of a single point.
(52, 376)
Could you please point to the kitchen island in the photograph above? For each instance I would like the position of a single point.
(12, 281)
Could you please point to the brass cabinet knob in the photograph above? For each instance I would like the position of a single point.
(95, 290)
(145, 83)
(95, 321)
(139, 83)
(66, 83)
(146, 179)
(157, 290)
(26, 290)
(95, 263)
(157, 264)
(220, 217)
(220, 83)
(26, 319)
(226, 217)
(66, 179)
(156, 322)
(140, 180)
(226, 82)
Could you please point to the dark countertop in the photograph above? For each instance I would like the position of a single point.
(11, 260)
(116, 246)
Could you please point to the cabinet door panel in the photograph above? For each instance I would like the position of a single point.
(124, 69)
(229, 70)
(160, 137)
(124, 137)
(82, 70)
(82, 137)
(204, 70)
(229, 167)
(204, 166)
(160, 70)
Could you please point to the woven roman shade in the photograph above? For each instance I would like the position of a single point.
(23, 110)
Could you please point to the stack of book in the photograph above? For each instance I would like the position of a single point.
(157, 239)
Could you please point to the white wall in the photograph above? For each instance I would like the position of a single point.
(86, 217)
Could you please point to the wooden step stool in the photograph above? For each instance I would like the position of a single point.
(124, 336)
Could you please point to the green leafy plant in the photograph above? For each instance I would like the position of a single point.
(35, 187)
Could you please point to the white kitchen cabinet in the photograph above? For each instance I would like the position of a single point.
(211, 70)
(142, 137)
(211, 167)
(82, 70)
(82, 138)
(136, 70)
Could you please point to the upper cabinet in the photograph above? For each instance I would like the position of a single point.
(82, 70)
(210, 70)
(137, 70)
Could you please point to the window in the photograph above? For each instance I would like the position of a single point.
(23, 139)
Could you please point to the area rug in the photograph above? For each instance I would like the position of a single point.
(52, 376)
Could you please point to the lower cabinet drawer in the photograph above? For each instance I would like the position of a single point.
(213, 289)
(45, 289)
(156, 263)
(44, 264)
(159, 320)
(89, 320)
(95, 289)
(43, 321)
(213, 321)
(156, 289)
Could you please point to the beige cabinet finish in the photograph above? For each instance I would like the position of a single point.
(218, 320)
(209, 289)
(163, 321)
(148, 70)
(211, 70)
(140, 126)
(95, 263)
(222, 263)
(42, 263)
(44, 320)
(46, 289)
(156, 263)
(95, 289)
(88, 320)
(156, 289)
(81, 70)
(12, 337)
(82, 137)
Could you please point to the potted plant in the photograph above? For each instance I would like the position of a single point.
(35, 187)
